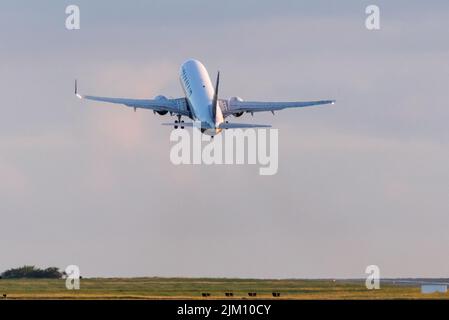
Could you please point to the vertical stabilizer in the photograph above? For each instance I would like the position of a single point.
(215, 100)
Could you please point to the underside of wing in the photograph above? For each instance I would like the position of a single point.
(237, 106)
(176, 106)
(160, 104)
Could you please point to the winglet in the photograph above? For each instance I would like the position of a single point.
(76, 90)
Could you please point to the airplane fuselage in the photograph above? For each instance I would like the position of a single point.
(199, 92)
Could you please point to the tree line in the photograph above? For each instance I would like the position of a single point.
(32, 272)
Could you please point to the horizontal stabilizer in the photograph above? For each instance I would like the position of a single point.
(242, 125)
(222, 125)
(183, 124)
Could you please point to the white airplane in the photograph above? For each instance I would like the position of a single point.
(201, 102)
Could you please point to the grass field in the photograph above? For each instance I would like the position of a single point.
(192, 288)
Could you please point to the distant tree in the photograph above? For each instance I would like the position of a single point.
(32, 272)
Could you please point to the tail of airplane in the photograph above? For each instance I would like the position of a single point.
(215, 100)
(227, 125)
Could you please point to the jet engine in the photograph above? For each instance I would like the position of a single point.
(234, 99)
(160, 97)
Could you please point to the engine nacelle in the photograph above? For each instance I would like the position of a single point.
(160, 97)
(163, 98)
(236, 99)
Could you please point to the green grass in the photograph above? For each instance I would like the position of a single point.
(191, 288)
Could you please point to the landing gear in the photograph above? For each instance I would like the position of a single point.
(181, 122)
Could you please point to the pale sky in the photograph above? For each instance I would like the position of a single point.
(363, 182)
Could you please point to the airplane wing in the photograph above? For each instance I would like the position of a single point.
(161, 104)
(236, 106)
